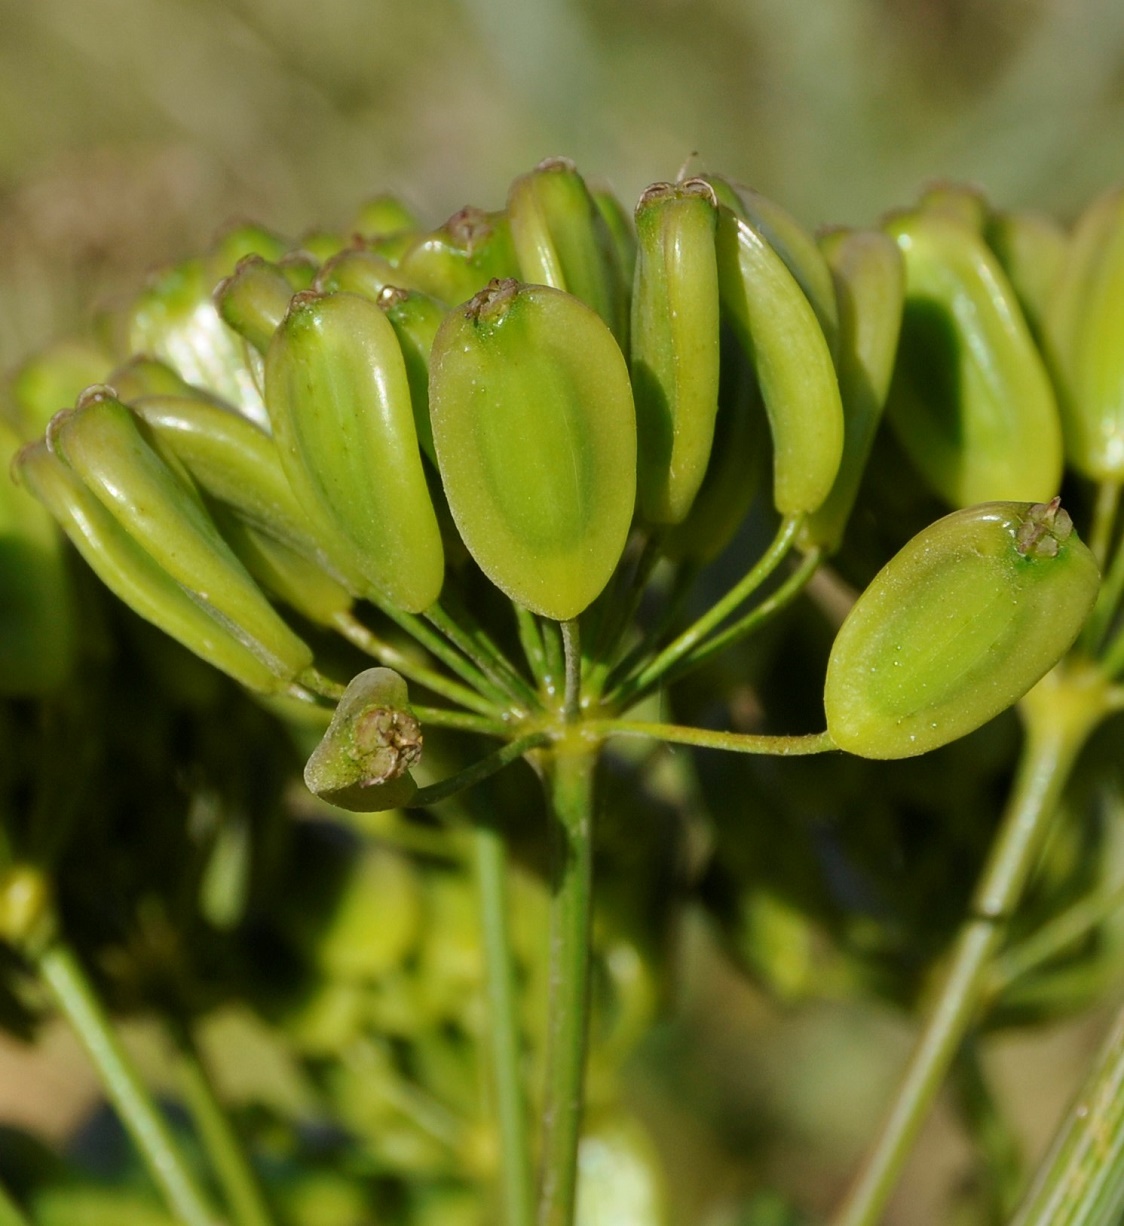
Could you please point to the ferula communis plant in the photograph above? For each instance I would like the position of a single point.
(441, 497)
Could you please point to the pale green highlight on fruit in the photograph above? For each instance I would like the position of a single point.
(674, 345)
(870, 285)
(1085, 333)
(415, 318)
(101, 443)
(786, 346)
(363, 761)
(561, 239)
(339, 399)
(536, 440)
(133, 576)
(957, 627)
(971, 402)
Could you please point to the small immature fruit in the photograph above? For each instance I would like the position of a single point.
(956, 627)
(339, 399)
(780, 333)
(536, 440)
(971, 402)
(459, 258)
(674, 341)
(363, 761)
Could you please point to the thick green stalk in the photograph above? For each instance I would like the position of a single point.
(503, 1030)
(220, 1140)
(1081, 1181)
(569, 774)
(78, 1002)
(1059, 715)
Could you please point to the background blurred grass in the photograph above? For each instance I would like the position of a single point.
(130, 130)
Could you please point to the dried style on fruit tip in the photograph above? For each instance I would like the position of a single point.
(1085, 340)
(957, 627)
(254, 298)
(340, 403)
(138, 580)
(870, 283)
(364, 759)
(562, 239)
(536, 441)
(785, 344)
(459, 258)
(101, 443)
(674, 345)
(971, 402)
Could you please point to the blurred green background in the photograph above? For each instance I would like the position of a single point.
(131, 130)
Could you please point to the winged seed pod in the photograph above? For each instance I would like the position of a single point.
(1085, 335)
(363, 761)
(784, 341)
(138, 580)
(674, 340)
(870, 283)
(956, 627)
(100, 442)
(339, 399)
(536, 441)
(562, 240)
(970, 402)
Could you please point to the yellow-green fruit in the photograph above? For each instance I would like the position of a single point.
(956, 627)
(535, 433)
(971, 402)
(674, 340)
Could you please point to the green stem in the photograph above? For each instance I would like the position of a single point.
(78, 1002)
(570, 781)
(10, 1212)
(224, 1147)
(352, 629)
(1108, 604)
(571, 643)
(484, 654)
(1104, 520)
(555, 654)
(465, 721)
(1081, 1180)
(530, 639)
(991, 1133)
(705, 738)
(503, 1029)
(1059, 713)
(729, 603)
(479, 770)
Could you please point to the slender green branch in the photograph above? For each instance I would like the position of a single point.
(570, 780)
(440, 717)
(705, 738)
(995, 1140)
(571, 642)
(352, 629)
(76, 999)
(622, 602)
(484, 654)
(324, 687)
(503, 1029)
(530, 639)
(479, 770)
(1108, 604)
(555, 655)
(1059, 715)
(680, 588)
(1081, 1180)
(693, 635)
(220, 1140)
(1104, 520)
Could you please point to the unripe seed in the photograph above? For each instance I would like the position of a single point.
(956, 627)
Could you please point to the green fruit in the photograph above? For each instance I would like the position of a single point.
(674, 338)
(457, 260)
(971, 402)
(339, 399)
(956, 627)
(782, 337)
(536, 441)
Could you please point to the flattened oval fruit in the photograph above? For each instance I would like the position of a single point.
(956, 627)
(535, 433)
